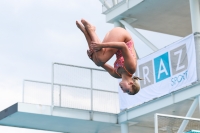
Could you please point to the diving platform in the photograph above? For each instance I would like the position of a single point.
(66, 120)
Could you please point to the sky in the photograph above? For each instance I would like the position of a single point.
(35, 33)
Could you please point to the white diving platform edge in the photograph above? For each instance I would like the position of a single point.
(33, 116)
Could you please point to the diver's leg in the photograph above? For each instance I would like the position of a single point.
(104, 54)
(90, 52)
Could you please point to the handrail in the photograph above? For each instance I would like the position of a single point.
(42, 82)
(79, 66)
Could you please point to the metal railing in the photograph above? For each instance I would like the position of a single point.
(109, 4)
(36, 91)
(75, 87)
(175, 124)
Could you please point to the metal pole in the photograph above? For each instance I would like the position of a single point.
(70, 86)
(156, 122)
(23, 92)
(124, 127)
(199, 104)
(197, 48)
(52, 88)
(91, 96)
(60, 95)
(189, 114)
(195, 20)
(114, 2)
(140, 36)
(195, 15)
(118, 24)
(78, 66)
(179, 117)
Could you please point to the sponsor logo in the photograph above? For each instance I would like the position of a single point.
(172, 64)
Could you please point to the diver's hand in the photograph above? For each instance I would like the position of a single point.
(96, 46)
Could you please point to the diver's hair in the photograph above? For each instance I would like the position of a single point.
(135, 86)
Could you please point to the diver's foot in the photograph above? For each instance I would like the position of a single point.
(81, 27)
(88, 26)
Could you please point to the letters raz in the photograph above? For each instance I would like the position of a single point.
(163, 66)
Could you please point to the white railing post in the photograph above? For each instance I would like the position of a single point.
(23, 91)
(114, 2)
(60, 95)
(91, 117)
(199, 103)
(52, 88)
(156, 123)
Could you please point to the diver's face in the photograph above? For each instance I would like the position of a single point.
(126, 86)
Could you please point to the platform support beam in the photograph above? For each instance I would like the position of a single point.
(189, 114)
(118, 24)
(124, 127)
(140, 36)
